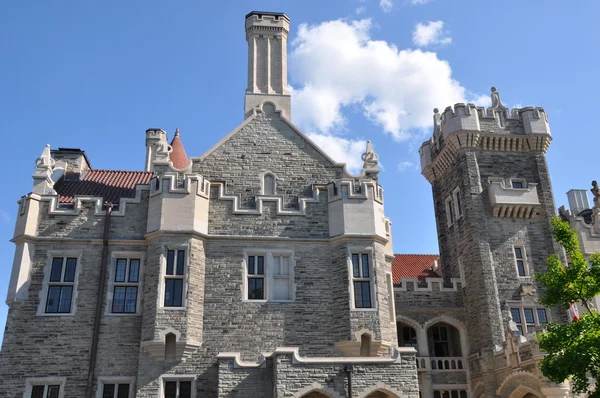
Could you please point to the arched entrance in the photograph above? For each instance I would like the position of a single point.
(378, 394)
(315, 394)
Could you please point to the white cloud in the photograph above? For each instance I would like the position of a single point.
(419, 2)
(336, 65)
(342, 150)
(360, 10)
(386, 5)
(407, 165)
(430, 33)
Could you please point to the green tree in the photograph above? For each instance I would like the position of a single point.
(573, 349)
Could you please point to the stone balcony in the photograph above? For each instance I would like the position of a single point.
(508, 202)
(441, 364)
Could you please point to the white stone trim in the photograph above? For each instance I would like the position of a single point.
(380, 386)
(115, 380)
(176, 377)
(43, 294)
(236, 357)
(281, 210)
(389, 281)
(369, 189)
(521, 391)
(168, 184)
(513, 375)
(40, 381)
(111, 281)
(318, 387)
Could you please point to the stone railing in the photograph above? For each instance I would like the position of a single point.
(441, 363)
(513, 202)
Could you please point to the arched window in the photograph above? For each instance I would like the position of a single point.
(365, 345)
(170, 347)
(269, 184)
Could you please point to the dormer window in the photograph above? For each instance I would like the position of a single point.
(268, 184)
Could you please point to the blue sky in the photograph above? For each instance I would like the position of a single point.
(96, 75)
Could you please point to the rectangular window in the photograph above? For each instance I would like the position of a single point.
(256, 277)
(45, 391)
(457, 204)
(541, 312)
(125, 286)
(525, 319)
(520, 261)
(61, 285)
(409, 337)
(440, 341)
(282, 287)
(174, 278)
(115, 391)
(178, 389)
(517, 184)
(449, 211)
(361, 280)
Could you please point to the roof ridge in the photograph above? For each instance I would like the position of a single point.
(123, 171)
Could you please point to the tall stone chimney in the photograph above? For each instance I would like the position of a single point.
(267, 35)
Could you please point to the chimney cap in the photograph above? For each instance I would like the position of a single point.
(261, 13)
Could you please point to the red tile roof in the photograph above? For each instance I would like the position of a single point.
(111, 185)
(414, 266)
(178, 155)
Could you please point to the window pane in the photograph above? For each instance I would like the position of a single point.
(130, 299)
(118, 299)
(185, 389)
(542, 315)
(518, 252)
(134, 270)
(285, 265)
(520, 327)
(365, 266)
(516, 315)
(517, 184)
(528, 315)
(251, 265)
(37, 392)
(463, 394)
(454, 394)
(443, 334)
(70, 270)
(355, 266)
(123, 391)
(521, 267)
(64, 304)
(53, 299)
(108, 391)
(260, 266)
(120, 270)
(458, 203)
(269, 185)
(56, 271)
(255, 289)
(436, 394)
(169, 286)
(170, 389)
(53, 391)
(177, 292)
(435, 331)
(281, 289)
(358, 295)
(180, 261)
(170, 261)
(366, 292)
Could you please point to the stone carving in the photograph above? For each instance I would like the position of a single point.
(371, 160)
(163, 148)
(45, 161)
(496, 102)
(596, 192)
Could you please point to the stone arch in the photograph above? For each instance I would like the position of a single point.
(479, 390)
(380, 387)
(519, 384)
(319, 389)
(462, 330)
(421, 337)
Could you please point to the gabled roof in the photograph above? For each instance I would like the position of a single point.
(178, 156)
(111, 185)
(414, 266)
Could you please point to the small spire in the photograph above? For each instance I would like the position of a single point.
(370, 159)
(178, 156)
(45, 160)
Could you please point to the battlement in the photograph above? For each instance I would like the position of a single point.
(258, 22)
(493, 129)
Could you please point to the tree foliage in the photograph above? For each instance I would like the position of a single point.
(573, 349)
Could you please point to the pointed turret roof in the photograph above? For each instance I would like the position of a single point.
(178, 156)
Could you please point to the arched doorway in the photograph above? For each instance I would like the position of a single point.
(529, 395)
(378, 394)
(315, 394)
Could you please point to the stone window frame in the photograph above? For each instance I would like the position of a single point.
(163, 276)
(524, 259)
(449, 208)
(518, 180)
(129, 255)
(30, 382)
(263, 175)
(43, 295)
(184, 377)
(368, 250)
(269, 276)
(528, 304)
(102, 380)
(457, 203)
(391, 302)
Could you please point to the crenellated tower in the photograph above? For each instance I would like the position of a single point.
(493, 203)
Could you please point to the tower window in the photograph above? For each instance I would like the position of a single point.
(361, 280)
(449, 211)
(61, 285)
(174, 278)
(520, 261)
(527, 318)
(457, 203)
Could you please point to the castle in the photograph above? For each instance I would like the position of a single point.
(264, 269)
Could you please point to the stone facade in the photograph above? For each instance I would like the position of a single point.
(264, 268)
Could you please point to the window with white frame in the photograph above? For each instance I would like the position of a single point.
(361, 280)
(45, 387)
(125, 281)
(269, 275)
(449, 211)
(520, 261)
(178, 389)
(61, 285)
(116, 389)
(45, 391)
(527, 318)
(457, 203)
(174, 278)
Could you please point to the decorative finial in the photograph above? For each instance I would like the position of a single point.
(45, 160)
(370, 159)
(177, 132)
